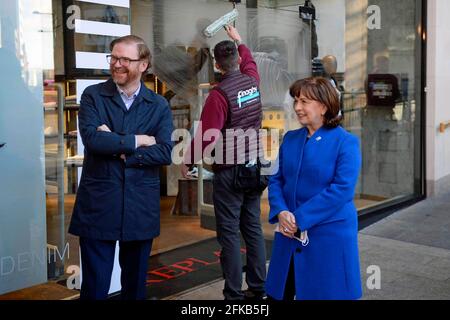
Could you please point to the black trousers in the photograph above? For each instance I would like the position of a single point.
(239, 213)
(97, 261)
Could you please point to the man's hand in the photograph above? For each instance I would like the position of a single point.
(145, 141)
(184, 171)
(103, 128)
(123, 157)
(233, 33)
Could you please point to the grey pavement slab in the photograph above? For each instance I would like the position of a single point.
(211, 291)
(408, 270)
(426, 223)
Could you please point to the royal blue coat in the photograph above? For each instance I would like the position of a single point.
(119, 200)
(316, 182)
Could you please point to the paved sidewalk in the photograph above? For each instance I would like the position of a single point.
(410, 247)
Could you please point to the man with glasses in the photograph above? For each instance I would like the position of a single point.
(126, 131)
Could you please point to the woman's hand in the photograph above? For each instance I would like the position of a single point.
(287, 223)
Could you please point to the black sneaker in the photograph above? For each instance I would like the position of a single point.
(254, 295)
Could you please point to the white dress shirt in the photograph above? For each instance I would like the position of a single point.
(128, 101)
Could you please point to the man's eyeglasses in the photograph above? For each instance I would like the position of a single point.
(125, 62)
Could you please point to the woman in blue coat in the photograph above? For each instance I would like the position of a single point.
(315, 249)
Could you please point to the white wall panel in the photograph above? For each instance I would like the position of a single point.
(102, 28)
(117, 3)
(91, 60)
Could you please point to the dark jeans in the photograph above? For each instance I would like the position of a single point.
(97, 259)
(238, 213)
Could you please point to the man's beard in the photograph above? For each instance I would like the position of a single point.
(124, 76)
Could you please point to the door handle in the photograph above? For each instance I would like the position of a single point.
(2, 144)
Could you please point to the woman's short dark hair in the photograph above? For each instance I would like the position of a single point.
(320, 89)
(143, 50)
(226, 55)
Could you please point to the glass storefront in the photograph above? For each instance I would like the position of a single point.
(371, 50)
(22, 188)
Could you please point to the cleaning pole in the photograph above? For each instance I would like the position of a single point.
(220, 23)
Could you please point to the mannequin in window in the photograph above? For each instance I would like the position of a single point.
(329, 63)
